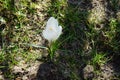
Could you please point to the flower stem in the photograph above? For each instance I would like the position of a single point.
(51, 51)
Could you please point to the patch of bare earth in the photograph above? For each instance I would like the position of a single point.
(105, 72)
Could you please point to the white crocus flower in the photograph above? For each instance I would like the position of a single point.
(52, 30)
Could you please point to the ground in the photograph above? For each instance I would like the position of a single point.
(88, 48)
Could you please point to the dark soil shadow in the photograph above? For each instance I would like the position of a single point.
(116, 65)
(2, 26)
(50, 71)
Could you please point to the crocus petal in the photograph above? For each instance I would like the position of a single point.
(52, 30)
(50, 35)
(52, 22)
(59, 29)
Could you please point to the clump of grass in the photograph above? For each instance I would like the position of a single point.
(99, 59)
